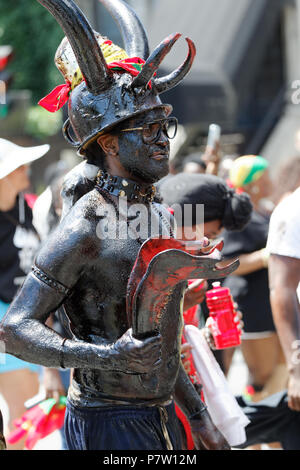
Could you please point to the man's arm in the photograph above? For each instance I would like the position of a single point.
(59, 264)
(251, 262)
(212, 158)
(284, 275)
(205, 434)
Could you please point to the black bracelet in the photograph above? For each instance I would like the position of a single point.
(194, 415)
(61, 353)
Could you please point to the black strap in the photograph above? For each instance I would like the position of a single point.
(50, 281)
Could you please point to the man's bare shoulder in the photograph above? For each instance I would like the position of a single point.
(84, 215)
(75, 238)
(78, 182)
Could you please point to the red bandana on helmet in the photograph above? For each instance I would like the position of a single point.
(60, 95)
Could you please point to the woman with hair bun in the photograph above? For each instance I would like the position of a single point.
(223, 208)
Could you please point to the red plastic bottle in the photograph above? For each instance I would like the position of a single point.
(221, 311)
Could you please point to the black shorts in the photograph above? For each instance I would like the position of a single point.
(271, 420)
(120, 428)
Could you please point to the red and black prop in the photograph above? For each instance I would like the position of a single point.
(157, 280)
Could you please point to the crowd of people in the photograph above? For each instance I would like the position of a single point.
(237, 209)
(98, 318)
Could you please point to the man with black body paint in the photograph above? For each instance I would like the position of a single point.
(108, 406)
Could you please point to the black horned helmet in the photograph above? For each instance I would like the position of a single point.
(105, 98)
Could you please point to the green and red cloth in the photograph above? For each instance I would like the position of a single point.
(38, 422)
(247, 169)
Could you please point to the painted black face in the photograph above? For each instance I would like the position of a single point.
(148, 162)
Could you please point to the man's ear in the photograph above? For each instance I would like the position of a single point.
(109, 144)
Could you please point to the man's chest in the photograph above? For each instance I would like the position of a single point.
(121, 234)
(121, 224)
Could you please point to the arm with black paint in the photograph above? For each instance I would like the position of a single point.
(58, 268)
(205, 434)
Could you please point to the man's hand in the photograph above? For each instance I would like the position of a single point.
(208, 329)
(53, 384)
(205, 434)
(137, 356)
(212, 154)
(212, 158)
(294, 390)
(195, 294)
(186, 349)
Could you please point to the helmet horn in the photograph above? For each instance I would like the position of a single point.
(154, 61)
(132, 31)
(84, 44)
(170, 81)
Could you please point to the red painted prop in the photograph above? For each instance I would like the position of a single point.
(156, 284)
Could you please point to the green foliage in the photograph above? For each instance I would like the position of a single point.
(40, 123)
(35, 36)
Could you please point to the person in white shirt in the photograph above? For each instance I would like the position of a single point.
(284, 274)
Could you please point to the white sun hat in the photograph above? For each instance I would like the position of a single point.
(13, 156)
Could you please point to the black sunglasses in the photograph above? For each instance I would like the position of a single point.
(151, 131)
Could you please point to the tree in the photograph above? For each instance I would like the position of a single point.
(35, 36)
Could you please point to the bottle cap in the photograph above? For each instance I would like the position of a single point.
(216, 284)
(217, 291)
